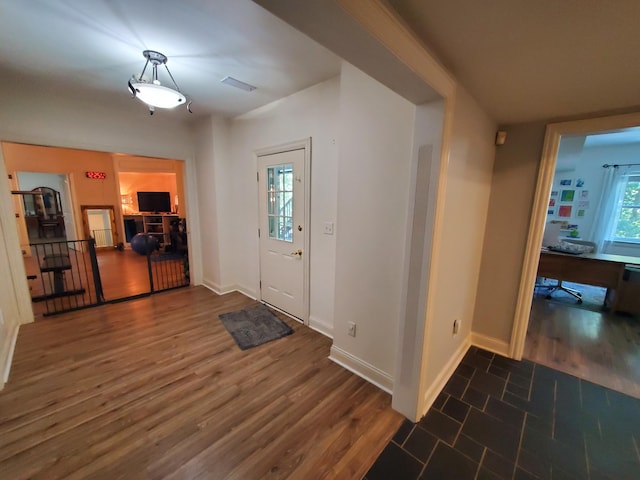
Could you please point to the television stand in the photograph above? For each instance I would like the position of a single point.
(156, 224)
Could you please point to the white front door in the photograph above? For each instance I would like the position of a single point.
(281, 187)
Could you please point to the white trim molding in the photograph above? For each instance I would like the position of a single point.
(223, 290)
(303, 144)
(6, 350)
(315, 323)
(539, 212)
(321, 326)
(382, 22)
(489, 343)
(214, 287)
(365, 370)
(443, 377)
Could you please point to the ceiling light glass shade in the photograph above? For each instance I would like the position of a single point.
(158, 96)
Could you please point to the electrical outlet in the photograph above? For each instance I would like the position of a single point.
(327, 228)
(351, 329)
(456, 326)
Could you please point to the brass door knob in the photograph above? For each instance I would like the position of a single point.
(297, 253)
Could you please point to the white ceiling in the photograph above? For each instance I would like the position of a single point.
(98, 45)
(626, 136)
(522, 61)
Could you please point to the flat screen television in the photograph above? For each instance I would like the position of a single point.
(155, 202)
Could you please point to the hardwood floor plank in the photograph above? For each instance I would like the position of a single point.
(225, 424)
(270, 427)
(598, 346)
(157, 388)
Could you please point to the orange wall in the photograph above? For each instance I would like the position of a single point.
(74, 163)
(131, 183)
(158, 172)
(157, 175)
(31, 158)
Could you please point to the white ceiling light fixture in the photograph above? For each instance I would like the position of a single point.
(151, 91)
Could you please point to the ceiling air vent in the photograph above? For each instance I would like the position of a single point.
(238, 84)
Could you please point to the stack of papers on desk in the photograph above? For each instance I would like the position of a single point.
(569, 250)
(572, 248)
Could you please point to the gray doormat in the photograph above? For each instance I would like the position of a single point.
(254, 326)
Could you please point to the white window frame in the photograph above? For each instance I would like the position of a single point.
(635, 176)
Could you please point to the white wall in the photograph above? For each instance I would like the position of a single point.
(586, 165)
(376, 140)
(43, 114)
(425, 169)
(100, 220)
(9, 317)
(208, 202)
(466, 200)
(227, 178)
(15, 302)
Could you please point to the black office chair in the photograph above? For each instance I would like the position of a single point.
(560, 287)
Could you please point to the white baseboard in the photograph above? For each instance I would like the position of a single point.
(252, 294)
(365, 370)
(315, 323)
(6, 353)
(214, 287)
(220, 290)
(321, 326)
(489, 343)
(443, 377)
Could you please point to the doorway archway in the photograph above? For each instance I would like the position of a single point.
(539, 212)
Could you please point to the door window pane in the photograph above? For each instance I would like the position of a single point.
(280, 202)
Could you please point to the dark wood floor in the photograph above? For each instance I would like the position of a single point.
(591, 344)
(123, 274)
(156, 388)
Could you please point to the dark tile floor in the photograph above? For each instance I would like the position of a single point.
(501, 419)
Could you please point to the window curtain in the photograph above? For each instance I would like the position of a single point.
(608, 209)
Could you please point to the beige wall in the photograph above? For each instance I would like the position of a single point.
(512, 189)
(459, 249)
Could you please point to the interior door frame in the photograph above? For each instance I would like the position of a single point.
(546, 173)
(112, 219)
(304, 144)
